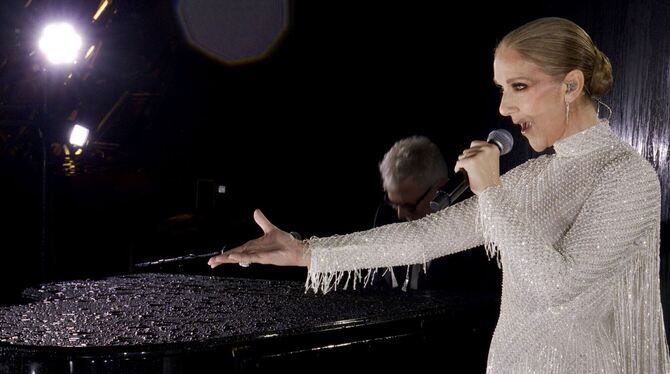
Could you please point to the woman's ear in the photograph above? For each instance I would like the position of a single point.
(574, 85)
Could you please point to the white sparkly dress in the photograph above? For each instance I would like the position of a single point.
(577, 234)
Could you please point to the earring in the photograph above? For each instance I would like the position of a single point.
(567, 111)
(609, 115)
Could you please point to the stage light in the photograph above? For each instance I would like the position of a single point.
(60, 43)
(79, 135)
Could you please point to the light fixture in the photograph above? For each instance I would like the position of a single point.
(79, 135)
(60, 43)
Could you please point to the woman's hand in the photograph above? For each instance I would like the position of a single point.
(275, 247)
(482, 163)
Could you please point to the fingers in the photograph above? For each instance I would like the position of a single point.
(469, 153)
(274, 247)
(482, 163)
(477, 147)
(223, 258)
(465, 158)
(239, 255)
(263, 222)
(458, 167)
(246, 253)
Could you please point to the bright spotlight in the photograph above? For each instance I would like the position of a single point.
(79, 135)
(60, 43)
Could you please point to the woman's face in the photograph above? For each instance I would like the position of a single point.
(533, 99)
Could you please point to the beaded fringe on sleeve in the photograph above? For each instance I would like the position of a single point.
(639, 331)
(344, 260)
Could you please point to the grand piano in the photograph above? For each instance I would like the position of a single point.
(177, 323)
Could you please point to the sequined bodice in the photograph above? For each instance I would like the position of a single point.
(577, 236)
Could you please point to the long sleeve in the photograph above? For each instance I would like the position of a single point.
(448, 231)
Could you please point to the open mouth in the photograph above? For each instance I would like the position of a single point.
(525, 126)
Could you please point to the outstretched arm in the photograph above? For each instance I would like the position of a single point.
(275, 247)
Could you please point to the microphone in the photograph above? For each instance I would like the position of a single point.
(448, 193)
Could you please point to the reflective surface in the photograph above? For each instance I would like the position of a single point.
(167, 308)
(161, 322)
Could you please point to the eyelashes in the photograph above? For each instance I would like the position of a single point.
(518, 87)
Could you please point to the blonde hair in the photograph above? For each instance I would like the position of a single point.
(559, 46)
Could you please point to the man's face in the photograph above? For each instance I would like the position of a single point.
(410, 200)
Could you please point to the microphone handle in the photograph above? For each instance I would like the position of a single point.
(456, 192)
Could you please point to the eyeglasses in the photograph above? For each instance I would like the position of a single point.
(409, 207)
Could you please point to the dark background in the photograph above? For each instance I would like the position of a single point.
(297, 133)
